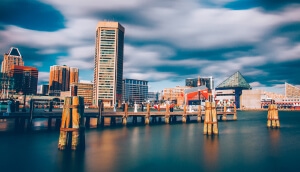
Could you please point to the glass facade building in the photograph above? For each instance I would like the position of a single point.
(108, 69)
(135, 91)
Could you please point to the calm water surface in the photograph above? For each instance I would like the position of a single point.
(242, 145)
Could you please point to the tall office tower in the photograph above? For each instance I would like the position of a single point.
(13, 57)
(60, 79)
(108, 70)
(26, 79)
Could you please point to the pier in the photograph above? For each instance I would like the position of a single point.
(24, 120)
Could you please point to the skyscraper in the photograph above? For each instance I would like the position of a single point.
(60, 78)
(108, 70)
(13, 57)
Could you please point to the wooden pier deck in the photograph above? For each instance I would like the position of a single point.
(23, 119)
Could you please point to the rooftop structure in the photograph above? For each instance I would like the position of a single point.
(291, 91)
(235, 82)
(13, 57)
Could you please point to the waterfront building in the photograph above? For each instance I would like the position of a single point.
(234, 86)
(196, 95)
(60, 78)
(271, 95)
(26, 79)
(108, 69)
(291, 91)
(135, 91)
(196, 82)
(251, 99)
(175, 95)
(6, 85)
(85, 90)
(153, 97)
(13, 57)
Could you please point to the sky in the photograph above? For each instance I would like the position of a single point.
(165, 41)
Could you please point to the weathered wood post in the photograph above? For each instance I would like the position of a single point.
(214, 118)
(29, 124)
(78, 136)
(65, 124)
(147, 118)
(184, 114)
(72, 128)
(167, 115)
(124, 119)
(224, 117)
(199, 114)
(273, 118)
(234, 114)
(210, 121)
(100, 120)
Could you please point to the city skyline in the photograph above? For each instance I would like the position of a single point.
(165, 42)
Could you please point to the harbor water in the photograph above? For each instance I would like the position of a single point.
(242, 145)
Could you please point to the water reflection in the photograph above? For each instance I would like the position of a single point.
(274, 135)
(211, 151)
(69, 160)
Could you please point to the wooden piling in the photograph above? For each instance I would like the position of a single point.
(199, 114)
(210, 121)
(29, 124)
(234, 114)
(147, 117)
(100, 120)
(184, 114)
(273, 118)
(72, 128)
(167, 115)
(124, 119)
(214, 118)
(224, 117)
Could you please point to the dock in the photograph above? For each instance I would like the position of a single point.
(24, 120)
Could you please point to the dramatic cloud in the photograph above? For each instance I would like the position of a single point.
(165, 41)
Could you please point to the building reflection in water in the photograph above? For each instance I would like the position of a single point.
(274, 134)
(211, 152)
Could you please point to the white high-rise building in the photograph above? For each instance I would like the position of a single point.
(108, 70)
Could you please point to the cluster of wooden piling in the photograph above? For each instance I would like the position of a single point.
(72, 128)
(210, 121)
(273, 118)
(224, 117)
